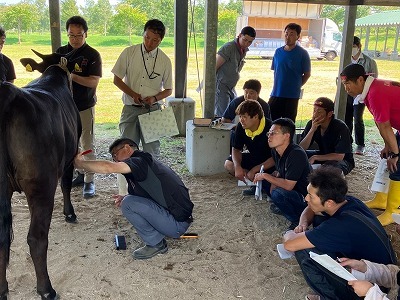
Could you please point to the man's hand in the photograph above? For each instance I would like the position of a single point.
(355, 264)
(240, 173)
(150, 100)
(316, 121)
(300, 228)
(312, 160)
(392, 164)
(361, 287)
(118, 200)
(289, 235)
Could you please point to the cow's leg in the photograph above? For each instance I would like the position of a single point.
(6, 235)
(66, 182)
(41, 206)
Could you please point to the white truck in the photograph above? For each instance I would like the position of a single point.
(319, 36)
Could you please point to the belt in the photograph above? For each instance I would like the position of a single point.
(135, 105)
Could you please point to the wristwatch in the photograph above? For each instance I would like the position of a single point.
(393, 155)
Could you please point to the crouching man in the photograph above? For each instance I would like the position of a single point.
(157, 204)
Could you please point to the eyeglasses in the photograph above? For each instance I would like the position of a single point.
(269, 133)
(75, 37)
(114, 155)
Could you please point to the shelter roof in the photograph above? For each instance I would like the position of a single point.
(386, 18)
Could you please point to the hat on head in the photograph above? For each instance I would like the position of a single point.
(325, 103)
(352, 71)
(356, 41)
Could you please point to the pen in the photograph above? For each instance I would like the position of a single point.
(87, 152)
(338, 259)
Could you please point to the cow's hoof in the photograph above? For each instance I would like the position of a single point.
(70, 218)
(49, 296)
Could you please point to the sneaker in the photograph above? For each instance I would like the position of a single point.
(147, 251)
(275, 210)
(359, 150)
(313, 297)
(249, 192)
(89, 190)
(78, 180)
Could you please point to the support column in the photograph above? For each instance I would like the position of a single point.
(55, 31)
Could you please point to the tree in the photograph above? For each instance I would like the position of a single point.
(22, 16)
(98, 15)
(227, 23)
(128, 20)
(69, 8)
(43, 14)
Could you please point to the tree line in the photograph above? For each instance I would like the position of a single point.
(125, 18)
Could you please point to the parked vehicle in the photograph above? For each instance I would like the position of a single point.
(320, 36)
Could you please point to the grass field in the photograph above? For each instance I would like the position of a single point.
(108, 108)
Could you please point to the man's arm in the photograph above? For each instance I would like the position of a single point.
(101, 166)
(306, 218)
(219, 62)
(305, 77)
(269, 163)
(157, 97)
(127, 90)
(328, 156)
(237, 163)
(279, 182)
(296, 241)
(386, 132)
(90, 81)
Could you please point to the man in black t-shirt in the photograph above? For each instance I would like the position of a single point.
(7, 72)
(85, 79)
(158, 203)
(332, 136)
(287, 186)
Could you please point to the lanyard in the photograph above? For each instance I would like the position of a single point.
(153, 74)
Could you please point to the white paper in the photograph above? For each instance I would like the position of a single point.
(247, 183)
(381, 178)
(258, 194)
(283, 253)
(327, 262)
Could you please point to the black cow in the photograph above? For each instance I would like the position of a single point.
(39, 133)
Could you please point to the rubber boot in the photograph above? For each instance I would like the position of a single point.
(393, 203)
(378, 202)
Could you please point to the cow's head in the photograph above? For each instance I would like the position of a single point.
(52, 59)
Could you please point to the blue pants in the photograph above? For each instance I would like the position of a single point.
(356, 112)
(291, 203)
(151, 221)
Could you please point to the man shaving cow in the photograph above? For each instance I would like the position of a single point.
(158, 203)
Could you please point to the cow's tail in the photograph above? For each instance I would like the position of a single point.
(5, 198)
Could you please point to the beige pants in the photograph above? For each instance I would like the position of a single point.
(87, 139)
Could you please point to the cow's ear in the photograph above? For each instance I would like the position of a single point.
(31, 65)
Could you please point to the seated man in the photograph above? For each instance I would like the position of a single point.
(287, 186)
(251, 133)
(158, 203)
(332, 136)
(349, 229)
(251, 89)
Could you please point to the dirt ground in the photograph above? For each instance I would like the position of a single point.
(234, 257)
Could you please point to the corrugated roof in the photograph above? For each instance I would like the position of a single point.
(386, 18)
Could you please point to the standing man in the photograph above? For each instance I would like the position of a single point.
(158, 203)
(287, 186)
(355, 108)
(85, 79)
(7, 72)
(382, 97)
(292, 68)
(143, 72)
(332, 136)
(348, 229)
(229, 63)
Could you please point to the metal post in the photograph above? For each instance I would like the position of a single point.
(210, 39)
(54, 11)
(347, 45)
(181, 25)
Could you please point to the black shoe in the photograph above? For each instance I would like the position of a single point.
(147, 251)
(275, 210)
(88, 190)
(78, 181)
(249, 192)
(292, 226)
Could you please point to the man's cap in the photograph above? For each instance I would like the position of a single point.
(325, 103)
(352, 71)
(356, 41)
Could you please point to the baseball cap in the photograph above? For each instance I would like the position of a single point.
(325, 103)
(352, 71)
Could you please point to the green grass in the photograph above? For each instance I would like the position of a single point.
(108, 108)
